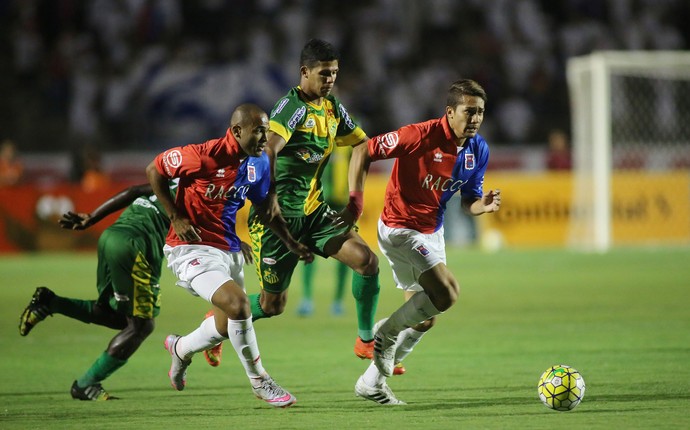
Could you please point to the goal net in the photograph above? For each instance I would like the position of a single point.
(631, 149)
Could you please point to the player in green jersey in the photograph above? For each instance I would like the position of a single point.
(130, 256)
(305, 127)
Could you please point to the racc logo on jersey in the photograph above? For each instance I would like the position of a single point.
(431, 182)
(214, 192)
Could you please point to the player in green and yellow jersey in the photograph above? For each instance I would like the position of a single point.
(305, 127)
(130, 257)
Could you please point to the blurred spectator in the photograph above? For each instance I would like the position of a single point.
(11, 168)
(152, 72)
(93, 177)
(558, 156)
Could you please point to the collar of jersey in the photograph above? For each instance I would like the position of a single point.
(315, 106)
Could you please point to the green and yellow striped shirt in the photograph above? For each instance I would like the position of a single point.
(311, 133)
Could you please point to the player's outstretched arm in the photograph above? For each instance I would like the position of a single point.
(489, 202)
(280, 228)
(247, 252)
(274, 145)
(357, 176)
(492, 201)
(82, 221)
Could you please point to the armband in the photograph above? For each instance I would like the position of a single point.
(356, 203)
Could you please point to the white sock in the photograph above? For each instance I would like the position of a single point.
(419, 308)
(407, 339)
(243, 339)
(204, 337)
(372, 377)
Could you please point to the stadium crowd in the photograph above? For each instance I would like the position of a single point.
(150, 74)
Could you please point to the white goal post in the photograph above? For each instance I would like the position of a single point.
(630, 113)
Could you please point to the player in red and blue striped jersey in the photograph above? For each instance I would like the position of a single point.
(441, 169)
(202, 247)
(433, 161)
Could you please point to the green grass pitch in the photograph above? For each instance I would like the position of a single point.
(622, 319)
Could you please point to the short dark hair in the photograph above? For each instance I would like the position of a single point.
(461, 88)
(315, 51)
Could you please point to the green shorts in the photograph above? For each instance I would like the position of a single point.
(128, 266)
(273, 260)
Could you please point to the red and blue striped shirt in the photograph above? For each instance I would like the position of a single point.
(215, 179)
(429, 168)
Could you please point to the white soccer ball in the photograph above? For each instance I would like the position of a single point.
(561, 387)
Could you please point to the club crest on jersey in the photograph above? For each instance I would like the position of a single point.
(469, 161)
(304, 155)
(422, 250)
(270, 276)
(438, 157)
(220, 173)
(332, 126)
(251, 173)
(310, 122)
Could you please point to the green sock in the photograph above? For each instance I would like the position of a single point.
(103, 367)
(340, 281)
(365, 289)
(81, 310)
(307, 276)
(257, 312)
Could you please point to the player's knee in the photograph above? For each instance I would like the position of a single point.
(367, 262)
(125, 343)
(454, 291)
(273, 306)
(446, 294)
(105, 316)
(372, 266)
(235, 306)
(274, 311)
(138, 329)
(144, 327)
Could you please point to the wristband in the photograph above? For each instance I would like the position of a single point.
(356, 203)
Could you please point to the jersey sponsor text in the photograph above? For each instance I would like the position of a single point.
(232, 193)
(297, 117)
(439, 183)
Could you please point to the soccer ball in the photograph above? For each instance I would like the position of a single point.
(561, 387)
